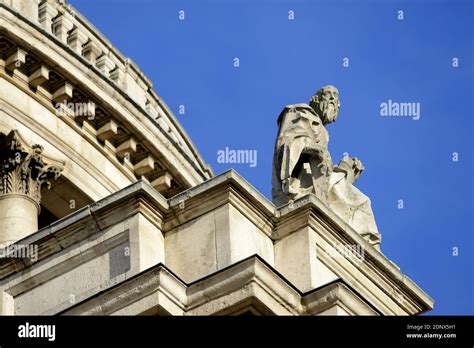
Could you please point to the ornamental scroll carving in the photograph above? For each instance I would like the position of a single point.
(24, 169)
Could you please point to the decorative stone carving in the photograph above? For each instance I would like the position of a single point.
(349, 202)
(16, 59)
(25, 170)
(91, 51)
(62, 26)
(302, 164)
(77, 38)
(105, 64)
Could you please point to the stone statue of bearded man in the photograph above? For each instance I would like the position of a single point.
(302, 164)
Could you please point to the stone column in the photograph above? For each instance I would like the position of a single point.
(24, 171)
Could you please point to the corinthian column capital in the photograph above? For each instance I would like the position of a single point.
(24, 169)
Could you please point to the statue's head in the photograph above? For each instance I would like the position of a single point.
(326, 103)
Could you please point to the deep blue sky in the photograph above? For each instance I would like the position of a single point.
(282, 62)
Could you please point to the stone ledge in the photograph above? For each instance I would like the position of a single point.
(248, 283)
(81, 225)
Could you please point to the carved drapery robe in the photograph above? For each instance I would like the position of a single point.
(354, 207)
(300, 151)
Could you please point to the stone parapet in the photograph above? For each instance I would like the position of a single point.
(218, 248)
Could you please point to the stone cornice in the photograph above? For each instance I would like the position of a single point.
(111, 97)
(309, 211)
(251, 281)
(228, 187)
(90, 220)
(156, 280)
(61, 143)
(340, 293)
(250, 276)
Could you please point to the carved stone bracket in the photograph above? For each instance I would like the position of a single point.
(25, 169)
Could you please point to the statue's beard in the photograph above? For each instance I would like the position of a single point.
(328, 112)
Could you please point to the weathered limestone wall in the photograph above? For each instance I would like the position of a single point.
(104, 244)
(214, 241)
(113, 255)
(297, 259)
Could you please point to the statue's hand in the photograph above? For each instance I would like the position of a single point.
(357, 167)
(352, 167)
